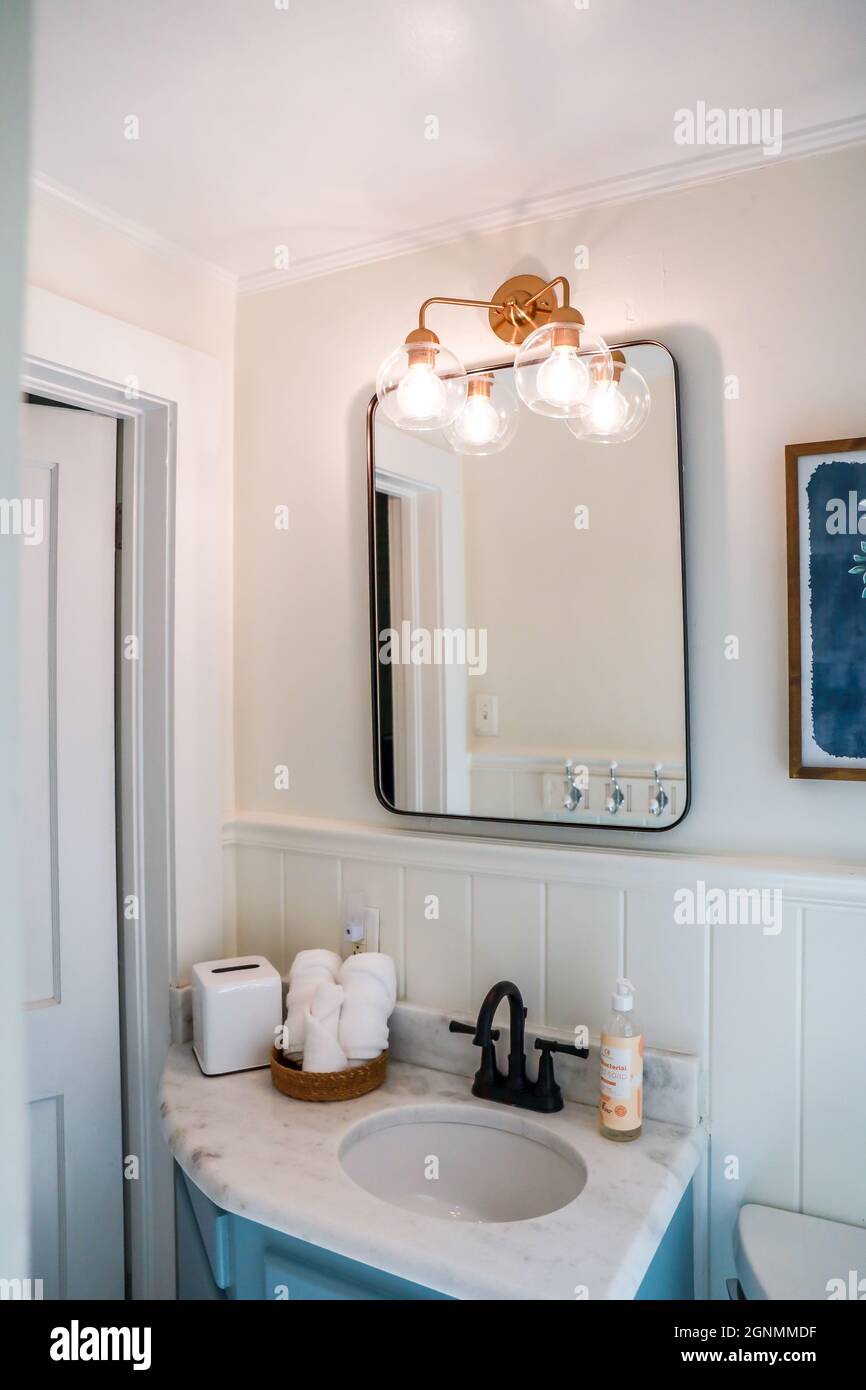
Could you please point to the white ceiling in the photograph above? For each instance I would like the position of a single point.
(262, 126)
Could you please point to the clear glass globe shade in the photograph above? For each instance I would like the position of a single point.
(421, 387)
(554, 377)
(615, 413)
(486, 424)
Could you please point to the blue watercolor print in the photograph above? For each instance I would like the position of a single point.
(838, 614)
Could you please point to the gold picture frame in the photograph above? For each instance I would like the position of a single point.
(799, 763)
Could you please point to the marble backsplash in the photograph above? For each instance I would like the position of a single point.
(672, 1080)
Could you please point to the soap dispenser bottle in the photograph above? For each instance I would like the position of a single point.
(621, 1106)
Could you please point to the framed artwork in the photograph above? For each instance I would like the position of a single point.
(825, 487)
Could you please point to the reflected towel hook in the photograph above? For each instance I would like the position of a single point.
(660, 799)
(575, 781)
(617, 796)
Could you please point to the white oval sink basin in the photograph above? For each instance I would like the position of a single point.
(463, 1164)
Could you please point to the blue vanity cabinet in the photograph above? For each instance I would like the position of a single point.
(671, 1274)
(220, 1255)
(201, 1239)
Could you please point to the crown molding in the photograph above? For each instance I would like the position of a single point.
(133, 232)
(705, 168)
(682, 174)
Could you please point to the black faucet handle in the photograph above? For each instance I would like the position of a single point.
(455, 1027)
(547, 1093)
(548, 1045)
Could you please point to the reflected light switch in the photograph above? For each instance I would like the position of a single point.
(487, 714)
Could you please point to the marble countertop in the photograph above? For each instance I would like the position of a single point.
(274, 1160)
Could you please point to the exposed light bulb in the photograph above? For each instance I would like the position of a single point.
(421, 394)
(484, 426)
(607, 409)
(478, 421)
(563, 380)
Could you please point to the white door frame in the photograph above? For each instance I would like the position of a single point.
(432, 595)
(418, 691)
(145, 780)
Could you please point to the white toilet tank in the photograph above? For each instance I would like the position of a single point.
(783, 1254)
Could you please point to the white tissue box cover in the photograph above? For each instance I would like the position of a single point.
(236, 1007)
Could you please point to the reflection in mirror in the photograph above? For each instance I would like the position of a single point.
(529, 652)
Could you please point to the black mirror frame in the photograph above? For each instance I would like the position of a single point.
(464, 818)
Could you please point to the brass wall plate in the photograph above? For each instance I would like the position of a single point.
(512, 325)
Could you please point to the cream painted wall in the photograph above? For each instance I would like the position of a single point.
(171, 324)
(57, 330)
(80, 257)
(760, 276)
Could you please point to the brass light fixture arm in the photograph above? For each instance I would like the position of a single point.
(520, 305)
(566, 292)
(466, 303)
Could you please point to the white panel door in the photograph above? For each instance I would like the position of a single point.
(67, 825)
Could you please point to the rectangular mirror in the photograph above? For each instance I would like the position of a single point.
(528, 621)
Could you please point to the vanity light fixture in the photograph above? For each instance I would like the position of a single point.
(487, 421)
(558, 366)
(562, 369)
(614, 411)
(421, 386)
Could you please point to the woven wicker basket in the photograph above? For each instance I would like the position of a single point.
(327, 1085)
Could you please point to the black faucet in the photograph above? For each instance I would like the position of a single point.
(513, 1089)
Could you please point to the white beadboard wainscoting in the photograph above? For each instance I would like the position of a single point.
(775, 1016)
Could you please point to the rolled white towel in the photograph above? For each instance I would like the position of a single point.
(298, 999)
(322, 1051)
(369, 981)
(363, 1032)
(316, 957)
(376, 965)
(310, 969)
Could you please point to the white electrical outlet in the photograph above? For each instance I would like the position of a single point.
(487, 715)
(360, 926)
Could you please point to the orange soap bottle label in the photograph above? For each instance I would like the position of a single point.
(621, 1082)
